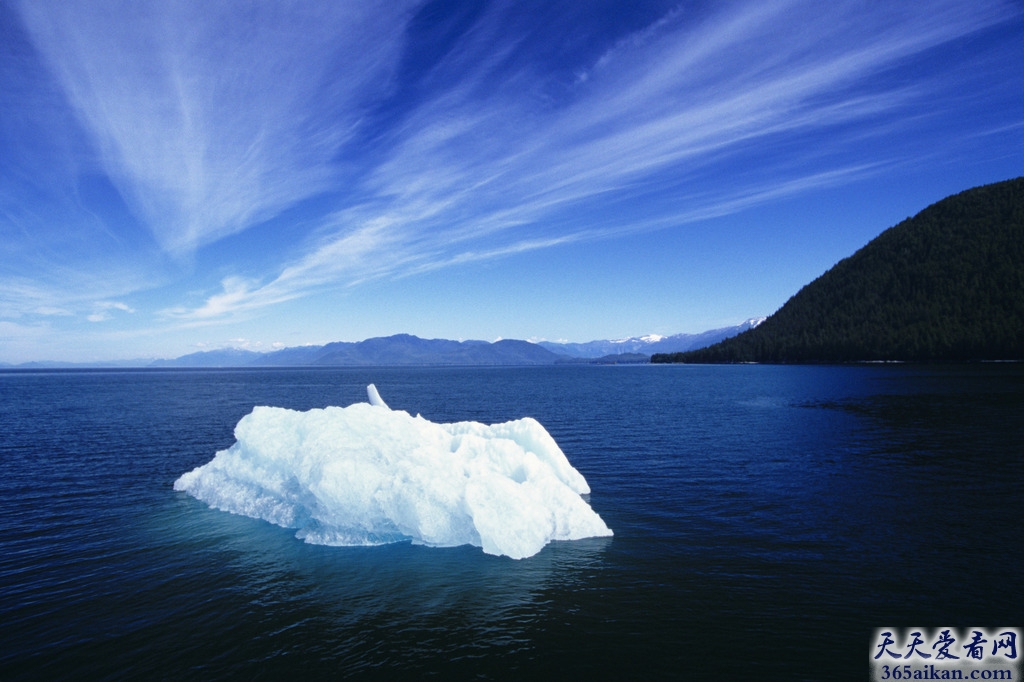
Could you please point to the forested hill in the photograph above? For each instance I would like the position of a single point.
(944, 286)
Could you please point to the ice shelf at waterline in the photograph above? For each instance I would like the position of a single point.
(366, 474)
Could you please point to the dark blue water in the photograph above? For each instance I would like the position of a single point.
(766, 520)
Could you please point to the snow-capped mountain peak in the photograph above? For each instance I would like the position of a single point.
(651, 343)
(649, 338)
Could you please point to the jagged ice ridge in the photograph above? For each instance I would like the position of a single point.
(366, 474)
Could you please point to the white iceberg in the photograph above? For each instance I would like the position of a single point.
(366, 474)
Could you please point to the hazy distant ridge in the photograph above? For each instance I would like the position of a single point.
(398, 350)
(408, 350)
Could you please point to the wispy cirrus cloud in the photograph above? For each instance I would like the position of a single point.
(659, 108)
(103, 310)
(23, 296)
(210, 117)
(682, 93)
(491, 162)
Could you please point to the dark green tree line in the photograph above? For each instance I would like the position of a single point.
(944, 286)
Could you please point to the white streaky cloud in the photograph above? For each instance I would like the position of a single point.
(376, 252)
(50, 312)
(731, 80)
(516, 248)
(726, 203)
(742, 79)
(12, 331)
(472, 178)
(387, 245)
(22, 297)
(114, 305)
(243, 344)
(371, 251)
(69, 291)
(211, 117)
(103, 310)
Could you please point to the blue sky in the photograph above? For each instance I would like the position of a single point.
(180, 176)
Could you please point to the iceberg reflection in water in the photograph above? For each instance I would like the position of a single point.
(366, 474)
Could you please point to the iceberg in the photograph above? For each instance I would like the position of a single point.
(366, 474)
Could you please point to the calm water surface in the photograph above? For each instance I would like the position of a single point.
(766, 520)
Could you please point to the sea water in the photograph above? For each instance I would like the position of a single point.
(767, 520)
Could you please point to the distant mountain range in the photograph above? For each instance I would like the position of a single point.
(398, 350)
(944, 286)
(408, 350)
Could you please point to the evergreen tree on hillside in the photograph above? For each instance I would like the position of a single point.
(944, 286)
